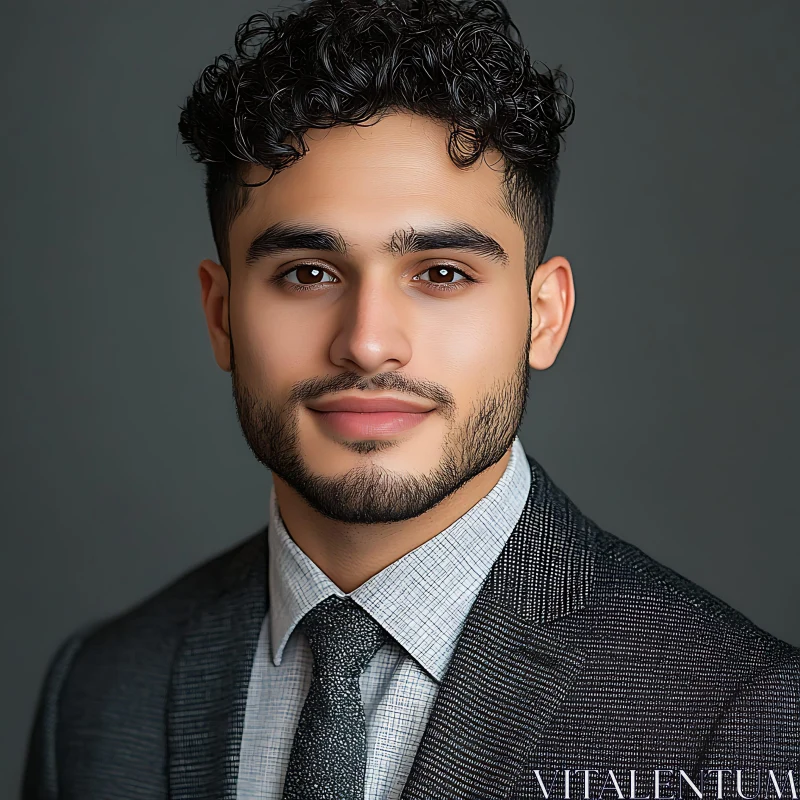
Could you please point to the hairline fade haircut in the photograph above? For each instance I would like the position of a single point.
(348, 62)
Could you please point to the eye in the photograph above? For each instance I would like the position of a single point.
(307, 275)
(441, 277)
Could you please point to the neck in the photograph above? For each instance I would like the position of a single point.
(351, 554)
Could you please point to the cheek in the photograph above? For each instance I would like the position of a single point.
(475, 345)
(271, 340)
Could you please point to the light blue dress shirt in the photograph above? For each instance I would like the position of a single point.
(422, 600)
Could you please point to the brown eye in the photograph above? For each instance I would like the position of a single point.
(443, 274)
(308, 274)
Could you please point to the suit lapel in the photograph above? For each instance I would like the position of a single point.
(517, 656)
(210, 678)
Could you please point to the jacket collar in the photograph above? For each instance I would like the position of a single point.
(518, 653)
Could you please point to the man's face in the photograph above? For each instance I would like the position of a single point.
(341, 302)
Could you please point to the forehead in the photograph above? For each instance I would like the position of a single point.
(373, 179)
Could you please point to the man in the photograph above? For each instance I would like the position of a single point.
(426, 615)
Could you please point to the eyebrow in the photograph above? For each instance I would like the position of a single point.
(458, 236)
(283, 237)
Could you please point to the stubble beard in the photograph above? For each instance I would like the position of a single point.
(371, 494)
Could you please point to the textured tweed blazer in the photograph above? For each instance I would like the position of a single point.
(579, 653)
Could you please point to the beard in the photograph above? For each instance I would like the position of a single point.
(371, 494)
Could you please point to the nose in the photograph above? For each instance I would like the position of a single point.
(372, 335)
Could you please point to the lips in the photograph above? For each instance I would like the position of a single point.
(369, 405)
(369, 417)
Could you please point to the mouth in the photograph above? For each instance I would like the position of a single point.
(369, 424)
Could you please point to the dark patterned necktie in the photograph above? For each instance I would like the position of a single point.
(329, 752)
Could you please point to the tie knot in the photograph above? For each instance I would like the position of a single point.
(342, 636)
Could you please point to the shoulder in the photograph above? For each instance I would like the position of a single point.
(149, 629)
(111, 677)
(679, 621)
(640, 612)
(680, 655)
(133, 650)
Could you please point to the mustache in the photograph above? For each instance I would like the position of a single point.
(311, 388)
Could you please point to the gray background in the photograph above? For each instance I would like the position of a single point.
(667, 417)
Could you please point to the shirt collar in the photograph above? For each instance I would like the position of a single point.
(422, 600)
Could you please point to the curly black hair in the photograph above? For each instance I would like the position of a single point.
(337, 62)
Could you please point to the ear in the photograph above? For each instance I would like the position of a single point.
(215, 291)
(552, 303)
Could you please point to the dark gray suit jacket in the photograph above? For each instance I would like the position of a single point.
(580, 652)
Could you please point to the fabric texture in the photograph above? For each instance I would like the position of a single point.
(329, 755)
(422, 600)
(580, 652)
